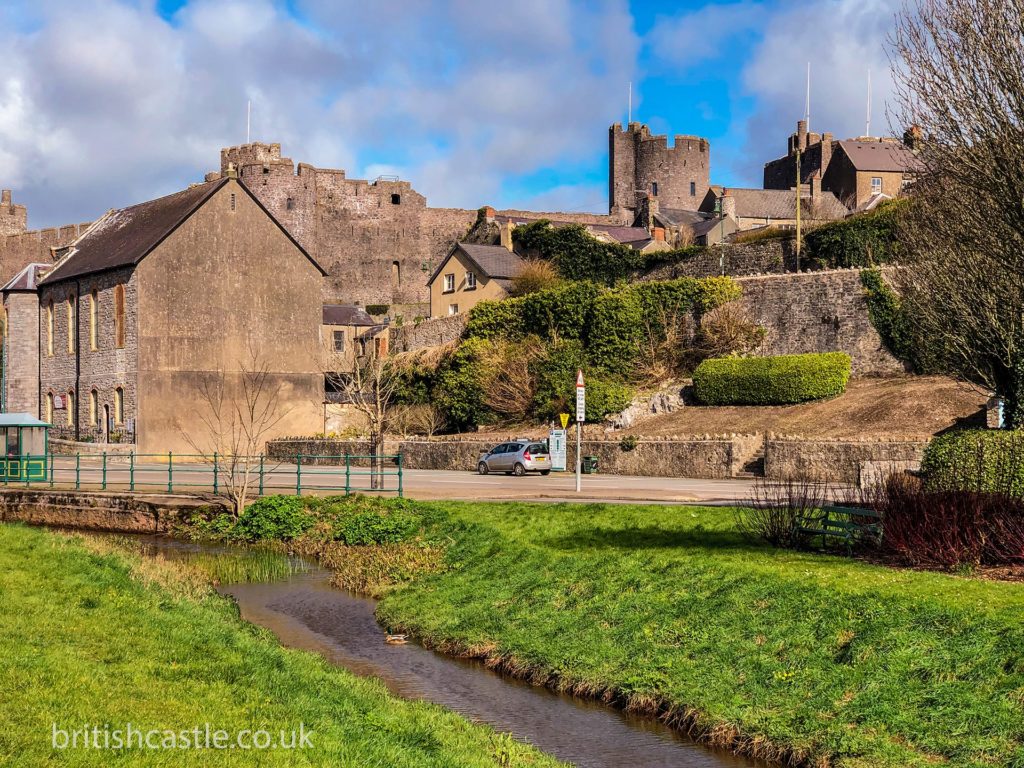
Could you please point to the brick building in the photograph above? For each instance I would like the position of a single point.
(159, 300)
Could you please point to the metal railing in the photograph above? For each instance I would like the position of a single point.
(213, 474)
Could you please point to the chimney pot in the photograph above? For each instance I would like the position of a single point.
(5, 197)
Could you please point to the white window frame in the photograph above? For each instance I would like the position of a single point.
(470, 281)
(449, 283)
(453, 309)
(876, 189)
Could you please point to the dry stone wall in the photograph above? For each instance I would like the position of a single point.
(841, 461)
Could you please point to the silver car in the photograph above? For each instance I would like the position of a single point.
(516, 458)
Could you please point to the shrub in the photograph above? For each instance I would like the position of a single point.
(360, 520)
(865, 240)
(576, 253)
(978, 460)
(777, 510)
(274, 517)
(556, 385)
(536, 275)
(495, 320)
(459, 385)
(377, 309)
(771, 380)
(950, 528)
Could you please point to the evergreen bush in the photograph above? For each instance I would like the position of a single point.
(779, 380)
(980, 460)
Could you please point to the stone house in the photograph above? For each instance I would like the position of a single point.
(757, 208)
(348, 333)
(854, 170)
(21, 340)
(156, 302)
(861, 171)
(470, 274)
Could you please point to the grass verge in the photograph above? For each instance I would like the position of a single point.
(812, 659)
(90, 635)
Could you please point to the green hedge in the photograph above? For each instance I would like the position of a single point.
(865, 240)
(771, 380)
(976, 460)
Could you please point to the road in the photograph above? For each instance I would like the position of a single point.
(88, 473)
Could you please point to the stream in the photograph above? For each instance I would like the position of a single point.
(305, 611)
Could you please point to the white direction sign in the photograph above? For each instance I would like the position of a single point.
(581, 398)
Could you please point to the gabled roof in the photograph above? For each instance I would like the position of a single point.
(883, 156)
(125, 236)
(495, 262)
(781, 204)
(346, 314)
(675, 217)
(27, 279)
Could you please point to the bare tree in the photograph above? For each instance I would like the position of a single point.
(369, 383)
(959, 71)
(237, 412)
(510, 383)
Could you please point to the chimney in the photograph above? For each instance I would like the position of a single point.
(728, 205)
(826, 152)
(489, 214)
(659, 234)
(815, 186)
(5, 198)
(801, 132)
(231, 172)
(506, 235)
(912, 136)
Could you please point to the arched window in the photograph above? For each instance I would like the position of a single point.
(71, 408)
(94, 301)
(49, 328)
(93, 407)
(119, 406)
(396, 274)
(119, 316)
(71, 324)
(49, 408)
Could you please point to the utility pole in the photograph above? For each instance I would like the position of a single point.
(798, 209)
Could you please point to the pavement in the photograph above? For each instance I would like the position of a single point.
(152, 477)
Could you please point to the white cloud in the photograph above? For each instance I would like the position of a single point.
(104, 103)
(842, 39)
(692, 38)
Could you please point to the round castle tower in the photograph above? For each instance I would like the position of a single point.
(640, 164)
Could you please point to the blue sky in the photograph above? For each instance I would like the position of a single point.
(109, 102)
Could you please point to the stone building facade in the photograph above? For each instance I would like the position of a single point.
(158, 304)
(13, 218)
(640, 163)
(21, 340)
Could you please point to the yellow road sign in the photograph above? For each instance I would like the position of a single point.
(565, 419)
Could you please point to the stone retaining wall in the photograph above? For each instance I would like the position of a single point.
(698, 457)
(122, 512)
(70, 448)
(428, 333)
(842, 461)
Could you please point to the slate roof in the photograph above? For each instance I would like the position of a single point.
(676, 217)
(27, 279)
(781, 204)
(494, 262)
(346, 314)
(123, 237)
(882, 156)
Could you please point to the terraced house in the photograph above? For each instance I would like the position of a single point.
(155, 301)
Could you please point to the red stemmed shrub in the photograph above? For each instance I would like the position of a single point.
(948, 528)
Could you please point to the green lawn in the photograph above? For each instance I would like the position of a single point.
(90, 637)
(837, 660)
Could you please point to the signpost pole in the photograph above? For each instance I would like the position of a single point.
(581, 414)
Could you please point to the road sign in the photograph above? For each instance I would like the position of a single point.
(564, 418)
(581, 398)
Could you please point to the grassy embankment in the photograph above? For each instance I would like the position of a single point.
(809, 657)
(91, 635)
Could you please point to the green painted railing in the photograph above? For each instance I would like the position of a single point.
(215, 474)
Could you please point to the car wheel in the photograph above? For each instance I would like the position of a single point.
(482, 468)
(519, 470)
(545, 472)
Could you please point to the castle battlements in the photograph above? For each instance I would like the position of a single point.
(13, 218)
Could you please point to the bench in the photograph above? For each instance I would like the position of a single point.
(847, 525)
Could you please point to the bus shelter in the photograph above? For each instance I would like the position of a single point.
(24, 441)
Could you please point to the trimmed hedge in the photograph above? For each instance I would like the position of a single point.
(984, 460)
(777, 380)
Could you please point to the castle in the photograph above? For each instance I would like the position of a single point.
(379, 240)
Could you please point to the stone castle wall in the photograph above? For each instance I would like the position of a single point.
(429, 333)
(774, 256)
(638, 159)
(817, 312)
(17, 251)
